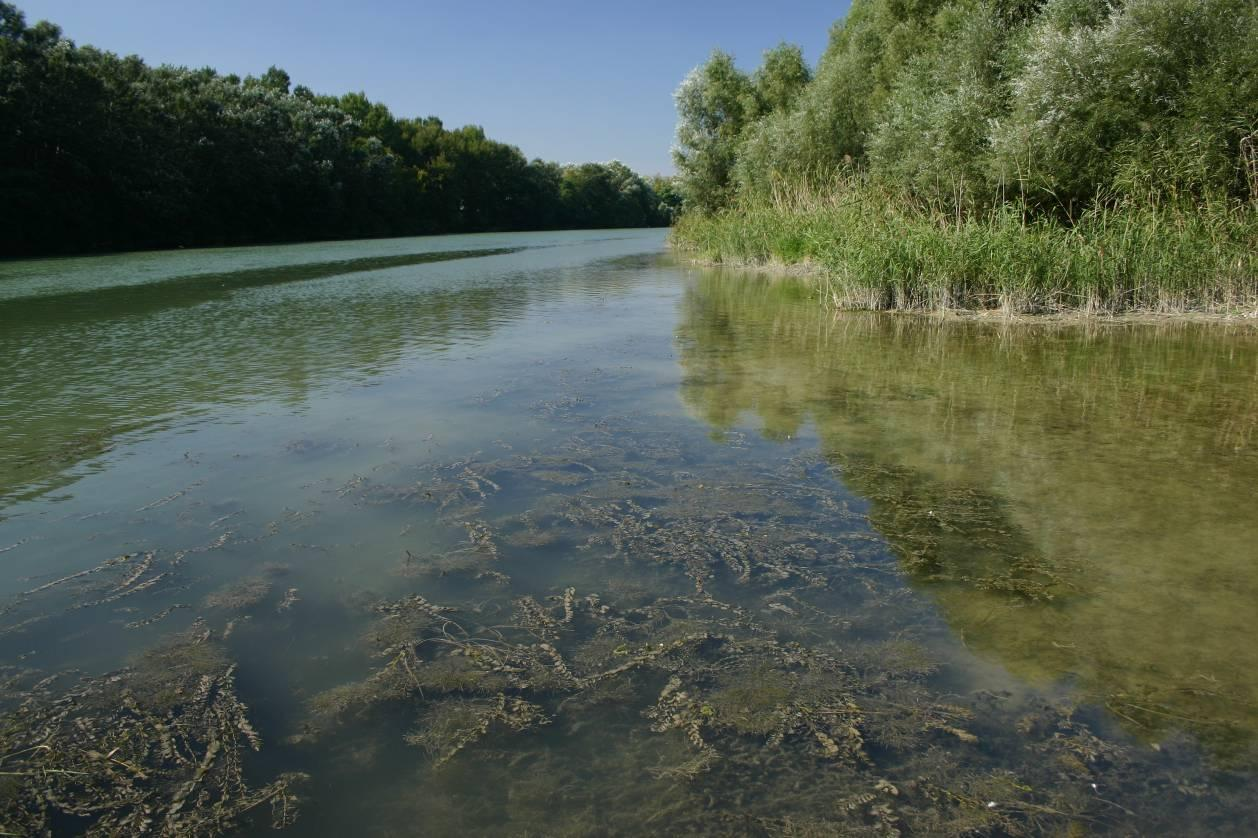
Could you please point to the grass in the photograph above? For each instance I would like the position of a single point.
(875, 249)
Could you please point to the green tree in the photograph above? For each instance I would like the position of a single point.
(715, 102)
(102, 152)
(780, 78)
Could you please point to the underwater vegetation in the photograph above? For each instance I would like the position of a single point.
(621, 628)
(1092, 471)
(156, 748)
(744, 620)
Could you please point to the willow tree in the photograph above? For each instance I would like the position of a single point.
(715, 102)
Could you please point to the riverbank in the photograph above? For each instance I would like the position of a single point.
(875, 253)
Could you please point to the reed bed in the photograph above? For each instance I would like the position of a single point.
(874, 248)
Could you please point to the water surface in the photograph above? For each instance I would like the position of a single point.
(550, 534)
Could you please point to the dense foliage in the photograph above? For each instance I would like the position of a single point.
(1027, 155)
(1058, 105)
(99, 151)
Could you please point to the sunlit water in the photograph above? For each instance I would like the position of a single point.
(719, 561)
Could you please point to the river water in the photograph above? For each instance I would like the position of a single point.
(551, 534)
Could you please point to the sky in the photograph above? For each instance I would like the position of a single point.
(564, 80)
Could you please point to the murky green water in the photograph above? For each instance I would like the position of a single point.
(547, 534)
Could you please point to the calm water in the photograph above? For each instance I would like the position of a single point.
(550, 534)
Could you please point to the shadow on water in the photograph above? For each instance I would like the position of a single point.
(1077, 498)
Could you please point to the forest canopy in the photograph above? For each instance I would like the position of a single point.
(102, 152)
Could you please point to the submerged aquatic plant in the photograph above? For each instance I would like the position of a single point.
(659, 641)
(753, 659)
(152, 749)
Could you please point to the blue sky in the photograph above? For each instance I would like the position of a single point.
(564, 80)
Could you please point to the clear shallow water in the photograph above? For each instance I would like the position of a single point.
(720, 562)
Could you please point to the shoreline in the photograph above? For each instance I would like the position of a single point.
(816, 274)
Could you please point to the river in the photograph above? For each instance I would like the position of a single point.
(553, 533)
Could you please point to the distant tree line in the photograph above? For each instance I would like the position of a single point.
(101, 152)
(1055, 105)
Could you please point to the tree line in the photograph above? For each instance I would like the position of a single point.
(102, 152)
(1055, 105)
